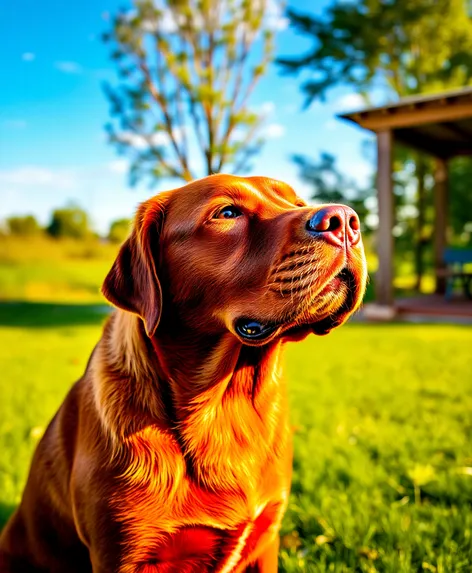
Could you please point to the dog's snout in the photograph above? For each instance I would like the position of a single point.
(336, 224)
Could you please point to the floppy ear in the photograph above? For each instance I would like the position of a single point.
(132, 283)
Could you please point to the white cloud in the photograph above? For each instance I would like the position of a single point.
(141, 141)
(133, 139)
(267, 108)
(239, 133)
(28, 56)
(349, 102)
(31, 175)
(68, 67)
(274, 130)
(165, 23)
(359, 170)
(276, 20)
(119, 166)
(15, 123)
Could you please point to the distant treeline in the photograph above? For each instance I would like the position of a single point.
(68, 222)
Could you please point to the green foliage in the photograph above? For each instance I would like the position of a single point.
(70, 222)
(381, 413)
(187, 71)
(119, 230)
(402, 47)
(406, 46)
(25, 226)
(460, 214)
(46, 269)
(330, 185)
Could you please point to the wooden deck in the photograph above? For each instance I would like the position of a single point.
(434, 305)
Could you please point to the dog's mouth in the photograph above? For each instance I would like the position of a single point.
(337, 300)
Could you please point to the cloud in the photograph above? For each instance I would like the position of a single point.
(32, 175)
(68, 67)
(349, 102)
(267, 108)
(119, 166)
(28, 57)
(166, 22)
(239, 134)
(14, 123)
(141, 141)
(276, 20)
(274, 130)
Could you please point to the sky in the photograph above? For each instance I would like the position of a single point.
(53, 146)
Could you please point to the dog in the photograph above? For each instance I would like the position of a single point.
(172, 454)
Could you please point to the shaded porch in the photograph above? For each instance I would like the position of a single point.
(441, 126)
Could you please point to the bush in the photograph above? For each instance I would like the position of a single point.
(25, 226)
(119, 230)
(70, 222)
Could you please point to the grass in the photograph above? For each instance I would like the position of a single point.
(42, 269)
(382, 473)
(383, 418)
(382, 415)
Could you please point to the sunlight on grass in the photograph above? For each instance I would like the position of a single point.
(382, 417)
(43, 269)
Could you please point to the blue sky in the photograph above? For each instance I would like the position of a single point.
(53, 148)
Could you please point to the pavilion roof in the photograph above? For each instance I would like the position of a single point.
(440, 124)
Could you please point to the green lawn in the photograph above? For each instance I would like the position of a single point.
(42, 269)
(383, 419)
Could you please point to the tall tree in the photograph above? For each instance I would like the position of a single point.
(403, 47)
(187, 71)
(329, 184)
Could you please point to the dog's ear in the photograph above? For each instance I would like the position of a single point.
(132, 283)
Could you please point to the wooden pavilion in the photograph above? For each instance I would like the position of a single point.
(440, 125)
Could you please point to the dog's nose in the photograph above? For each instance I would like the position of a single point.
(336, 224)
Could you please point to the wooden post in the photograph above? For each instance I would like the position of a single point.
(384, 276)
(440, 221)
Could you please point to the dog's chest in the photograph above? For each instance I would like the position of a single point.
(186, 527)
(203, 532)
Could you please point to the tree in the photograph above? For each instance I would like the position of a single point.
(26, 226)
(329, 184)
(402, 47)
(405, 46)
(188, 69)
(119, 230)
(460, 213)
(70, 222)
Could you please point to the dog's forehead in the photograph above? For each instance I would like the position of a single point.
(254, 193)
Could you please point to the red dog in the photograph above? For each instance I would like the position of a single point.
(172, 454)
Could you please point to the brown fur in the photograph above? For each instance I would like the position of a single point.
(173, 453)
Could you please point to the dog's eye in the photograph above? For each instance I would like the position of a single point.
(229, 212)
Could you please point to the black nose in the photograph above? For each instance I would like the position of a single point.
(336, 224)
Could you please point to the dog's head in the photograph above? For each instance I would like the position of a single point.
(244, 255)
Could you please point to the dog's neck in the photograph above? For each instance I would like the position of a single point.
(219, 397)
